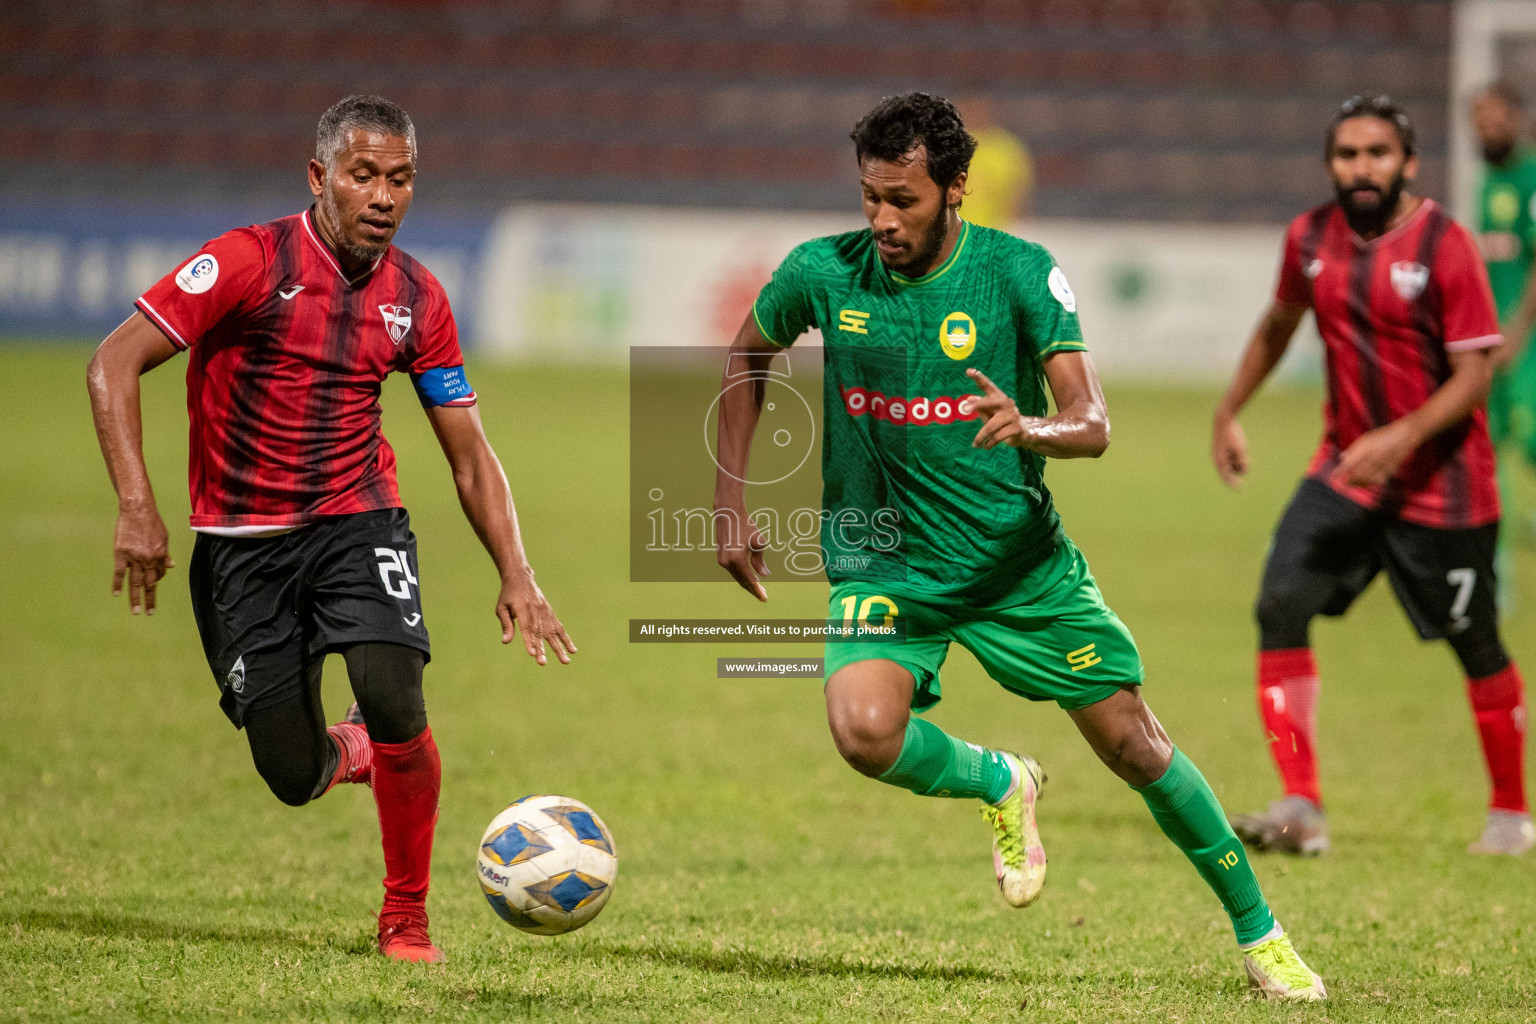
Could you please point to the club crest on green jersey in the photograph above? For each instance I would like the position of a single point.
(957, 335)
(1503, 206)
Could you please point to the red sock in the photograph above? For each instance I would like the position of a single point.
(1288, 705)
(1498, 703)
(406, 780)
(354, 761)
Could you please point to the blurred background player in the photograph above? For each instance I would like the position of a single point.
(999, 188)
(1507, 238)
(303, 548)
(915, 311)
(1404, 477)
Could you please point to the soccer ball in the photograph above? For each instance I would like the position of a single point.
(547, 864)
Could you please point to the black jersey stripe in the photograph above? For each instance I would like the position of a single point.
(260, 354)
(1448, 448)
(1362, 274)
(346, 317)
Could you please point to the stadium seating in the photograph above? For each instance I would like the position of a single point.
(1200, 109)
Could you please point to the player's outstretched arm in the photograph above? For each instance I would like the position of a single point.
(739, 544)
(1229, 447)
(1078, 430)
(487, 502)
(1517, 329)
(1376, 454)
(141, 550)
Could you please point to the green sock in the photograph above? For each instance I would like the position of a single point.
(1186, 810)
(934, 763)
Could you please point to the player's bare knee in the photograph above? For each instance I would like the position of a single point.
(1133, 746)
(1143, 757)
(868, 734)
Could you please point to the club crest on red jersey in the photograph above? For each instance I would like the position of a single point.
(397, 320)
(1409, 279)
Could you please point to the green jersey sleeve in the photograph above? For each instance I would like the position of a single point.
(784, 309)
(1046, 309)
(1526, 225)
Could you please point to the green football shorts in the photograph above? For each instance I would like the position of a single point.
(1049, 637)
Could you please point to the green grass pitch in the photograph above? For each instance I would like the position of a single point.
(147, 874)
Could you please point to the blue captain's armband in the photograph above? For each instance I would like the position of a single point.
(444, 385)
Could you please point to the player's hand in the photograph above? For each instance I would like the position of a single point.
(1375, 456)
(141, 554)
(1001, 422)
(522, 603)
(1229, 451)
(740, 552)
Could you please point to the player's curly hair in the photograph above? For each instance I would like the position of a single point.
(368, 113)
(1379, 106)
(899, 124)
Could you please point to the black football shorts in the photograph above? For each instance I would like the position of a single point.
(1327, 549)
(267, 607)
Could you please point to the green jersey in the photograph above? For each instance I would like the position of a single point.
(1507, 226)
(904, 494)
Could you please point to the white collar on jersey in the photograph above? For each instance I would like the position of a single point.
(330, 257)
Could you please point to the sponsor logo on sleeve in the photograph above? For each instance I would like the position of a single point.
(1409, 279)
(1313, 269)
(199, 275)
(1063, 291)
(397, 319)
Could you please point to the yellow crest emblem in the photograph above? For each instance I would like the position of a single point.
(957, 336)
(1504, 207)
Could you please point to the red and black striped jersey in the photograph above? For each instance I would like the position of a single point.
(287, 361)
(1390, 311)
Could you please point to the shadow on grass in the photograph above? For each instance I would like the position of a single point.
(775, 968)
(109, 926)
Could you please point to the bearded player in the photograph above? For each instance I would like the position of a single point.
(1403, 480)
(915, 312)
(303, 548)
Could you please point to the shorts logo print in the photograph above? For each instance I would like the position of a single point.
(236, 677)
(1083, 658)
(395, 563)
